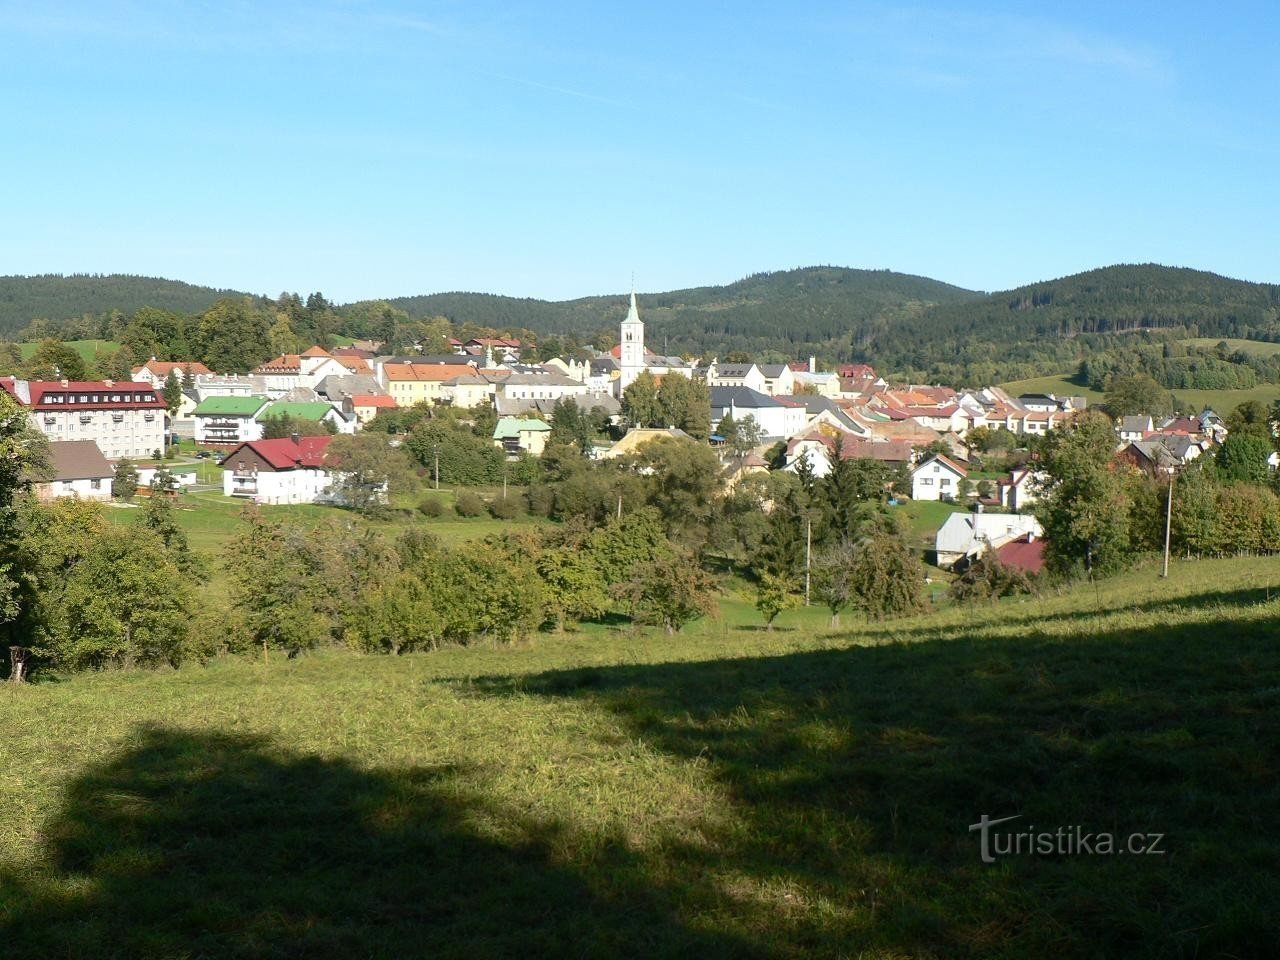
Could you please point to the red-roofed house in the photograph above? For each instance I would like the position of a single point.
(292, 370)
(125, 419)
(937, 478)
(289, 470)
(365, 406)
(815, 444)
(156, 372)
(1025, 554)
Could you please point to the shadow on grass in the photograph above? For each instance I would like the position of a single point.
(854, 776)
(192, 845)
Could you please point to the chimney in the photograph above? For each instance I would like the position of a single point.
(813, 364)
(296, 438)
(109, 383)
(65, 382)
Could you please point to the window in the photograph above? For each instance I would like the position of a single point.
(926, 481)
(946, 482)
(95, 484)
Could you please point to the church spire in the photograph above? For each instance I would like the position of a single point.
(633, 315)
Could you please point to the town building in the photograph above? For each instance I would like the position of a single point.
(937, 478)
(78, 470)
(125, 419)
(220, 420)
(288, 470)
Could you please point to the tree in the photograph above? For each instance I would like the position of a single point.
(833, 577)
(986, 578)
(1138, 394)
(570, 424)
(159, 519)
(1084, 510)
(1244, 456)
(886, 577)
(685, 403)
(172, 392)
(772, 597)
(746, 435)
(24, 459)
(124, 484)
(640, 402)
(684, 481)
(54, 360)
(575, 587)
(366, 470)
(669, 593)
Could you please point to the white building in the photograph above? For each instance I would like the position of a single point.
(79, 470)
(972, 534)
(229, 419)
(937, 478)
(631, 354)
(278, 471)
(123, 419)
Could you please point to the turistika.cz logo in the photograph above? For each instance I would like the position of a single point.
(1072, 841)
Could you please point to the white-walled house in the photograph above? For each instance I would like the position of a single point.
(972, 534)
(79, 470)
(125, 419)
(937, 478)
(229, 419)
(278, 471)
(778, 417)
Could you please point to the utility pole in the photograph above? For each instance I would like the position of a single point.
(437, 450)
(619, 505)
(808, 551)
(1168, 526)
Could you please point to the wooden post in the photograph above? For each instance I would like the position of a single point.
(18, 657)
(1168, 527)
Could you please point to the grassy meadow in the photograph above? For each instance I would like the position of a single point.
(727, 792)
(1223, 401)
(88, 349)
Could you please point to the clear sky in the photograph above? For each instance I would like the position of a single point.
(555, 149)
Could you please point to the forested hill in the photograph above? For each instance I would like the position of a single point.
(789, 313)
(1054, 324)
(56, 297)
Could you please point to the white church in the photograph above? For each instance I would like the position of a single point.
(634, 358)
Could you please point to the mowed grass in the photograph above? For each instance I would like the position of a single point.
(1259, 348)
(88, 349)
(1222, 401)
(726, 792)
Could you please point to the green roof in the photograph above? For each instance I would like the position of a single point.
(299, 409)
(509, 428)
(242, 406)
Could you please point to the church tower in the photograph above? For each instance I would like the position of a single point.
(631, 360)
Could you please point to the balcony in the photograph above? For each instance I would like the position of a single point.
(244, 484)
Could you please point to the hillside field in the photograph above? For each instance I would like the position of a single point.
(1222, 401)
(88, 349)
(726, 792)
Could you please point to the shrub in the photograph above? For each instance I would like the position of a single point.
(507, 509)
(469, 504)
(433, 506)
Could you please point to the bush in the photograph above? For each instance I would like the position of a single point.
(507, 509)
(469, 504)
(433, 507)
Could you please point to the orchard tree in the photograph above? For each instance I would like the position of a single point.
(172, 392)
(833, 577)
(640, 401)
(366, 470)
(886, 577)
(669, 593)
(772, 597)
(124, 484)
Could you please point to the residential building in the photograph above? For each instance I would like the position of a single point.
(1134, 428)
(779, 379)
(306, 369)
(156, 372)
(937, 478)
(288, 470)
(777, 417)
(222, 420)
(360, 408)
(637, 438)
(818, 446)
(746, 375)
(315, 411)
(1021, 489)
(517, 434)
(972, 534)
(125, 419)
(413, 383)
(79, 470)
(539, 386)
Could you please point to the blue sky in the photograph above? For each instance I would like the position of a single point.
(553, 150)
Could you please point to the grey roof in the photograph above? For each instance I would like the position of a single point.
(814, 406)
(722, 398)
(555, 379)
(1135, 424)
(1180, 446)
(772, 370)
(735, 370)
(78, 460)
(603, 365)
(510, 407)
(336, 387)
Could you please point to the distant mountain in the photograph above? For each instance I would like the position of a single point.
(57, 297)
(790, 312)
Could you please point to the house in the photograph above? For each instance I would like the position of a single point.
(314, 411)
(79, 470)
(231, 385)
(1025, 554)
(156, 372)
(506, 347)
(125, 419)
(571, 367)
(817, 446)
(360, 408)
(468, 391)
(1039, 402)
(1150, 456)
(306, 369)
(971, 534)
(413, 383)
(229, 419)
(516, 434)
(778, 379)
(822, 384)
(778, 417)
(937, 478)
(288, 470)
(638, 437)
(539, 386)
(746, 375)
(1134, 428)
(1020, 489)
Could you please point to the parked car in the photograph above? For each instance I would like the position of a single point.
(203, 454)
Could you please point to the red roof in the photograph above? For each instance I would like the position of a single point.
(131, 395)
(372, 400)
(947, 461)
(162, 368)
(285, 454)
(854, 448)
(315, 352)
(1023, 554)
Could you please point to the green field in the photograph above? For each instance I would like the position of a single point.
(1260, 348)
(729, 792)
(1222, 401)
(88, 349)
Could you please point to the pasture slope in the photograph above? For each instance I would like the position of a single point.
(729, 792)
